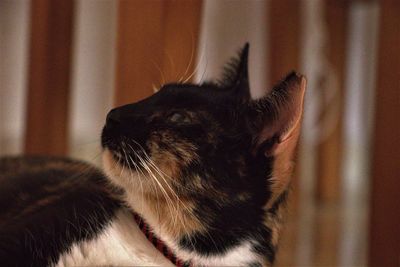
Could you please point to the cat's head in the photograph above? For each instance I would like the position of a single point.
(197, 160)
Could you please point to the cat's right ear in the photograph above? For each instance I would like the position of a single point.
(276, 117)
(276, 123)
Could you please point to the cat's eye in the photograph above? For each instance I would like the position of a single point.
(178, 117)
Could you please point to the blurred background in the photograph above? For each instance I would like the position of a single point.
(64, 64)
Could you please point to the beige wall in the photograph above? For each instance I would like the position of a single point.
(92, 75)
(14, 15)
(226, 26)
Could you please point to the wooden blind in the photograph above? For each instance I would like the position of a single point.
(156, 43)
(329, 160)
(284, 56)
(49, 76)
(384, 224)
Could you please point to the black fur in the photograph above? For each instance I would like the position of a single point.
(223, 124)
(46, 205)
(209, 133)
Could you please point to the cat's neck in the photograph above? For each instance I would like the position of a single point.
(121, 243)
(172, 225)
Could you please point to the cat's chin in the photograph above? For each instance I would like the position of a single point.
(170, 216)
(135, 180)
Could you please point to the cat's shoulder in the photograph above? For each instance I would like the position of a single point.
(33, 182)
(47, 204)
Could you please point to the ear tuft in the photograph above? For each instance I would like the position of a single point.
(235, 75)
(242, 72)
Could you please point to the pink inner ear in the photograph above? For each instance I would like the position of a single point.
(287, 125)
(297, 113)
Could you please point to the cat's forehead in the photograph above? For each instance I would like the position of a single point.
(206, 90)
(189, 96)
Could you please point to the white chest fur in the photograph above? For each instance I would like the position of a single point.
(115, 247)
(122, 243)
(241, 255)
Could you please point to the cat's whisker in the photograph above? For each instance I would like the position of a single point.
(126, 160)
(162, 175)
(153, 186)
(152, 162)
(192, 74)
(212, 239)
(169, 200)
(181, 218)
(124, 149)
(170, 60)
(160, 172)
(196, 69)
(190, 60)
(129, 158)
(155, 88)
(205, 70)
(160, 70)
(140, 180)
(172, 191)
(164, 192)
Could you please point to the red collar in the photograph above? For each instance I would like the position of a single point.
(159, 244)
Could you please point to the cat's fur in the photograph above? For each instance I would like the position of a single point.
(206, 166)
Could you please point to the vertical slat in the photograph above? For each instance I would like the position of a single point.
(154, 45)
(284, 27)
(328, 160)
(284, 47)
(49, 76)
(330, 149)
(284, 56)
(385, 185)
(181, 35)
(139, 42)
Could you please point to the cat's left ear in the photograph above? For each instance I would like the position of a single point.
(236, 76)
(241, 85)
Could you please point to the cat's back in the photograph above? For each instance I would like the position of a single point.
(46, 175)
(47, 205)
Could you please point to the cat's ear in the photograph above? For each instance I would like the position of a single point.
(277, 122)
(242, 85)
(236, 75)
(276, 117)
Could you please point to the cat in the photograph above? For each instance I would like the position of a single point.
(194, 175)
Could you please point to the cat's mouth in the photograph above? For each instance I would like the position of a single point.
(125, 151)
(123, 172)
(125, 156)
(135, 171)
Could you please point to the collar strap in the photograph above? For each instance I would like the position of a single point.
(159, 244)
